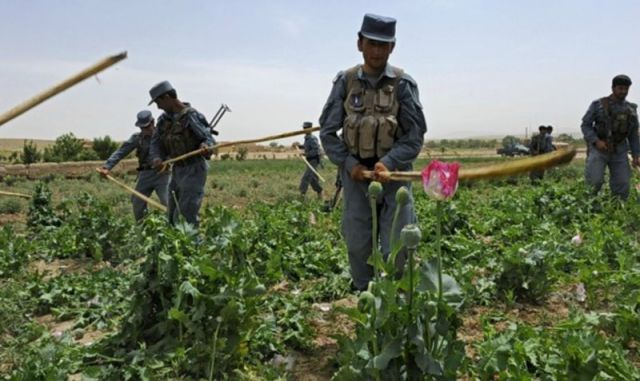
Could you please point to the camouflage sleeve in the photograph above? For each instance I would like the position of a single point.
(331, 121)
(588, 124)
(411, 120)
(156, 149)
(122, 152)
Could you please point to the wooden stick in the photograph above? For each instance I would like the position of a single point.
(514, 167)
(311, 167)
(200, 151)
(15, 194)
(62, 86)
(135, 192)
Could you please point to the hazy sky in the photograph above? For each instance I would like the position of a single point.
(484, 68)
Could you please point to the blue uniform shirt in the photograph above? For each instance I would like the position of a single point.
(196, 122)
(133, 143)
(596, 113)
(311, 147)
(410, 119)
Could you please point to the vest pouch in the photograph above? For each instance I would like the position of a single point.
(367, 137)
(350, 133)
(387, 133)
(176, 139)
(620, 129)
(356, 101)
(384, 98)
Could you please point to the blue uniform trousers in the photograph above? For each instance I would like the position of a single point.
(619, 170)
(357, 225)
(186, 191)
(149, 181)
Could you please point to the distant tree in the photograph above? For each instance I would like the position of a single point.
(242, 153)
(273, 144)
(510, 140)
(66, 148)
(14, 157)
(30, 153)
(566, 138)
(104, 147)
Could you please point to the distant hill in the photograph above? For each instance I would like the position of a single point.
(11, 145)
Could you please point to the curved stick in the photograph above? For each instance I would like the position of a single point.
(62, 86)
(514, 167)
(135, 192)
(200, 151)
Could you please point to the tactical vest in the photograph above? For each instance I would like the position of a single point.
(617, 123)
(176, 136)
(142, 151)
(371, 125)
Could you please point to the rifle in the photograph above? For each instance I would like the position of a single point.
(216, 118)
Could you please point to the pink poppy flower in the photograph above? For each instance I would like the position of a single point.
(440, 180)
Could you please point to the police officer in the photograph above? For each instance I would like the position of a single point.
(181, 129)
(312, 154)
(377, 108)
(149, 179)
(539, 144)
(549, 138)
(610, 129)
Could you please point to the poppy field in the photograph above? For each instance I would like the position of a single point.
(504, 280)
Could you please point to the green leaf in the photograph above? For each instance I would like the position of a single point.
(390, 351)
(176, 314)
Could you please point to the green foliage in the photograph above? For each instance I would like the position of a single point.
(242, 153)
(104, 147)
(66, 148)
(575, 349)
(14, 252)
(525, 275)
(405, 328)
(91, 230)
(10, 206)
(30, 153)
(41, 215)
(510, 140)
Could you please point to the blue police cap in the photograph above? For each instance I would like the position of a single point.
(307, 125)
(379, 28)
(144, 118)
(160, 89)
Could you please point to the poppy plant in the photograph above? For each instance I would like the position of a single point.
(440, 180)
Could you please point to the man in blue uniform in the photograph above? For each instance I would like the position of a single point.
(312, 154)
(610, 129)
(149, 179)
(181, 129)
(539, 144)
(376, 106)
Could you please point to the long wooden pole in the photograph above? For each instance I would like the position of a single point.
(514, 167)
(200, 151)
(311, 168)
(62, 86)
(136, 193)
(15, 194)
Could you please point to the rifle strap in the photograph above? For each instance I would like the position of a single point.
(604, 101)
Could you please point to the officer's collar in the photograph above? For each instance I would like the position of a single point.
(387, 72)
